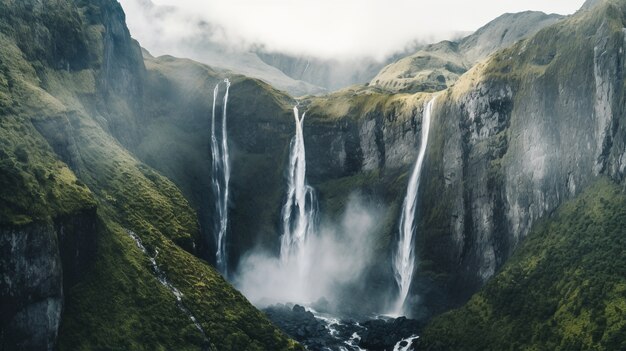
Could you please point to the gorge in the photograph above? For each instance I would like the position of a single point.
(492, 216)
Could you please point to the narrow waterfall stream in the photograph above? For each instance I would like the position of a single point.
(404, 257)
(220, 179)
(162, 278)
(300, 208)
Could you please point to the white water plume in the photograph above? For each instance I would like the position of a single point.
(221, 179)
(404, 257)
(300, 208)
(333, 259)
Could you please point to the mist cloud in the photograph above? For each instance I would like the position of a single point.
(321, 28)
(334, 259)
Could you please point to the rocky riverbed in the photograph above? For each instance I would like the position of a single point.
(318, 330)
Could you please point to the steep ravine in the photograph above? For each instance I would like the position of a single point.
(514, 138)
(88, 139)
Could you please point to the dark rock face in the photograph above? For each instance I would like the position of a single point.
(38, 260)
(385, 334)
(301, 325)
(31, 288)
(507, 152)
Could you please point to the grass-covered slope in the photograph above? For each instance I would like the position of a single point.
(62, 152)
(438, 66)
(563, 289)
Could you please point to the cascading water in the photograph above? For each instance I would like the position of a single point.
(162, 278)
(300, 208)
(220, 179)
(404, 257)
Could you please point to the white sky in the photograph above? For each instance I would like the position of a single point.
(332, 28)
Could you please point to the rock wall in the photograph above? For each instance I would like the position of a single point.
(38, 260)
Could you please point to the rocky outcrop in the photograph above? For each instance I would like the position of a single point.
(324, 332)
(512, 149)
(31, 287)
(38, 260)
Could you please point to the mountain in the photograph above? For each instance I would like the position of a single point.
(97, 247)
(438, 66)
(332, 74)
(106, 202)
(298, 75)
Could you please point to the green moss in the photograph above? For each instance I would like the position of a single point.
(34, 185)
(58, 157)
(558, 291)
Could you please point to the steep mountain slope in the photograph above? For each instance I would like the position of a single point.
(438, 66)
(563, 289)
(89, 126)
(76, 205)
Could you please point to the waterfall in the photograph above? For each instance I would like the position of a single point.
(220, 179)
(162, 278)
(299, 210)
(404, 257)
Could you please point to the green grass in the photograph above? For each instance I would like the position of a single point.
(563, 289)
(34, 184)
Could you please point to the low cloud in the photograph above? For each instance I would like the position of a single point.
(323, 28)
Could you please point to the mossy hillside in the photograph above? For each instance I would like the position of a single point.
(563, 289)
(34, 184)
(117, 303)
(431, 69)
(355, 103)
(121, 290)
(550, 51)
(139, 199)
(142, 200)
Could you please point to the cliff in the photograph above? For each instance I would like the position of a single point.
(103, 144)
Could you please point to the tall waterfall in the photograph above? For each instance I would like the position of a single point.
(404, 257)
(300, 208)
(220, 179)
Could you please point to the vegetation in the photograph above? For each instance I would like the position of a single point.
(59, 156)
(563, 289)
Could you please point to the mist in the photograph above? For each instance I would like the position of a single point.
(327, 29)
(336, 259)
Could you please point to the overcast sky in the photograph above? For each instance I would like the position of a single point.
(325, 28)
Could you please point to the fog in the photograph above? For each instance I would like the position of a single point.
(335, 259)
(323, 28)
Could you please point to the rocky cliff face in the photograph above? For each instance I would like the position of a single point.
(525, 136)
(38, 261)
(32, 288)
